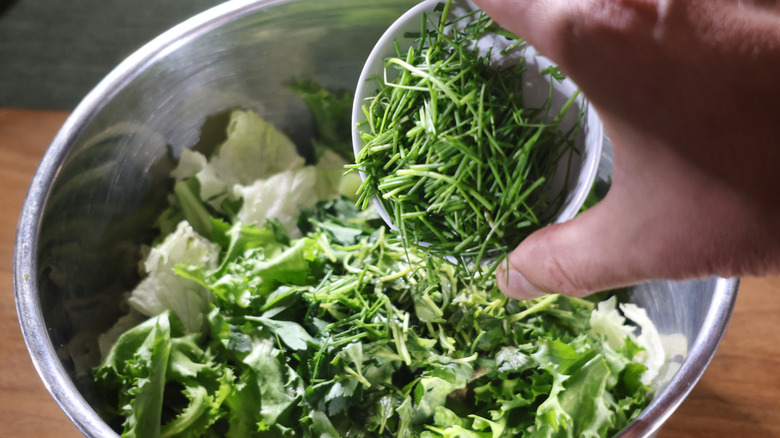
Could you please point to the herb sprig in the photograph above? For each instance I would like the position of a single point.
(451, 152)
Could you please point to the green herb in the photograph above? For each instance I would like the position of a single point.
(450, 150)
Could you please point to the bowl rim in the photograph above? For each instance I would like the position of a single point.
(702, 350)
(30, 315)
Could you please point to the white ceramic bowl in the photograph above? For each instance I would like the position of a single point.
(536, 87)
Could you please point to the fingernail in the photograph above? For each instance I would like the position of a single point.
(514, 285)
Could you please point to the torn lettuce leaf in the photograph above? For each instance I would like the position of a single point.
(607, 321)
(163, 290)
(190, 163)
(649, 339)
(280, 197)
(136, 368)
(279, 184)
(253, 150)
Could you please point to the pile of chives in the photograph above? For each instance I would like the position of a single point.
(450, 151)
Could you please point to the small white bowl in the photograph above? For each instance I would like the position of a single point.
(536, 89)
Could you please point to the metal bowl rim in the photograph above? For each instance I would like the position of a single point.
(693, 367)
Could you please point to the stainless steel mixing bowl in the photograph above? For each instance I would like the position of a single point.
(103, 180)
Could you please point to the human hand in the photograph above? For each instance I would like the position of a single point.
(688, 91)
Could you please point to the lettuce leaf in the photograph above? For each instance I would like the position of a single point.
(136, 368)
(253, 150)
(279, 198)
(163, 290)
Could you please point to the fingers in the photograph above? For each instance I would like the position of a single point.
(684, 92)
(534, 20)
(656, 221)
(662, 219)
(552, 25)
(576, 258)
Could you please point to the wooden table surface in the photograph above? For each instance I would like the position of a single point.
(738, 396)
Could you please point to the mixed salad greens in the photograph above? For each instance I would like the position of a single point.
(272, 306)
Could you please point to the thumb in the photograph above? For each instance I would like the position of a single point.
(668, 221)
(592, 252)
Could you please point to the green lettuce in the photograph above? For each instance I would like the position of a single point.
(275, 307)
(344, 332)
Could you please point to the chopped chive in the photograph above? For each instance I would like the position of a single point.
(451, 150)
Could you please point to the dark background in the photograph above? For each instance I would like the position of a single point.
(52, 52)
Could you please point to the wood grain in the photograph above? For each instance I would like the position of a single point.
(739, 394)
(26, 408)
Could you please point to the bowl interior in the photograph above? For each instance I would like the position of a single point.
(105, 178)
